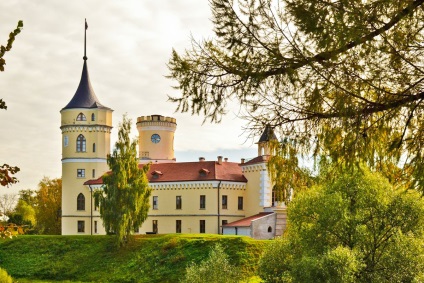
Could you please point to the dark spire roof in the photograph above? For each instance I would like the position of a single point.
(267, 135)
(85, 97)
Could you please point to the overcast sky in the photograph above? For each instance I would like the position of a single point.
(129, 43)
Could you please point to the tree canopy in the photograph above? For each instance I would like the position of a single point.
(343, 78)
(353, 227)
(124, 200)
(6, 170)
(48, 205)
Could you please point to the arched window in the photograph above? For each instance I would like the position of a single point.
(269, 229)
(81, 117)
(94, 147)
(93, 117)
(81, 143)
(81, 202)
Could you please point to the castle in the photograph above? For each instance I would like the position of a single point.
(218, 197)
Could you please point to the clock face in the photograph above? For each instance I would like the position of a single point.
(155, 138)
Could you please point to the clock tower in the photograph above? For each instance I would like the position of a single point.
(156, 138)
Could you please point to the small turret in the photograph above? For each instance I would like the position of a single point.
(263, 143)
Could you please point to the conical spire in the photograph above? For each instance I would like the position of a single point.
(85, 97)
(267, 135)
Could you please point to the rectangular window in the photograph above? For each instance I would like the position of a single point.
(224, 202)
(202, 202)
(93, 173)
(179, 202)
(95, 227)
(81, 173)
(155, 202)
(155, 226)
(81, 226)
(240, 203)
(202, 226)
(178, 226)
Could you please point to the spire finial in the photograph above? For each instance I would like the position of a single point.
(85, 41)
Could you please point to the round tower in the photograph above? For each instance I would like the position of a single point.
(86, 125)
(156, 138)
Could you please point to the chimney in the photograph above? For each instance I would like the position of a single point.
(242, 160)
(226, 159)
(201, 159)
(220, 159)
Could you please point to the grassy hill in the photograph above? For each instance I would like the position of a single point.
(146, 258)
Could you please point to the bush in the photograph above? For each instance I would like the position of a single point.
(5, 277)
(215, 269)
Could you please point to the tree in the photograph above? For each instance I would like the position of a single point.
(24, 212)
(353, 227)
(47, 211)
(343, 78)
(215, 269)
(124, 200)
(6, 170)
(7, 203)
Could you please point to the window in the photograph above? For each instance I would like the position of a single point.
(94, 147)
(93, 173)
(179, 202)
(155, 226)
(81, 117)
(93, 117)
(65, 141)
(202, 226)
(202, 202)
(155, 202)
(81, 202)
(224, 222)
(81, 226)
(81, 143)
(178, 226)
(269, 229)
(224, 202)
(95, 227)
(240, 203)
(81, 173)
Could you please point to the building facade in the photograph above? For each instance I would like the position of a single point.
(187, 197)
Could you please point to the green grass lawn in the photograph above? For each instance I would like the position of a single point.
(146, 258)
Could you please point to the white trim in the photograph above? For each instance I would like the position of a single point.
(84, 160)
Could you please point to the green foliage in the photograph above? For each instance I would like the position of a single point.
(342, 78)
(5, 277)
(124, 200)
(6, 170)
(147, 258)
(354, 227)
(215, 269)
(47, 210)
(284, 170)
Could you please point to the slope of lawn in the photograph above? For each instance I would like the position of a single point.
(146, 258)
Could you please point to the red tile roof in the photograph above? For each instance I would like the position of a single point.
(259, 159)
(190, 171)
(246, 222)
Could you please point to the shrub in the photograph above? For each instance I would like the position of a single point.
(215, 269)
(5, 277)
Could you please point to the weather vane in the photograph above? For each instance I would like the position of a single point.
(85, 40)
